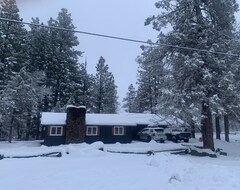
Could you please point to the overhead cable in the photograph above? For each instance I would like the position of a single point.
(118, 38)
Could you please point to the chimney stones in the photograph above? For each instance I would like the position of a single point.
(76, 124)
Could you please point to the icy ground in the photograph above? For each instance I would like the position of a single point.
(87, 168)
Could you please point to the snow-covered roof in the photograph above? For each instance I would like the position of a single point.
(130, 119)
(52, 118)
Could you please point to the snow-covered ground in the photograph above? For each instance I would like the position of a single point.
(87, 168)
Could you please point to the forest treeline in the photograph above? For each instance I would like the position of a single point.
(40, 71)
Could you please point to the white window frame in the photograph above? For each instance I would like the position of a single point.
(56, 130)
(117, 131)
(90, 132)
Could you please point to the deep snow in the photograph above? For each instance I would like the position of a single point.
(87, 168)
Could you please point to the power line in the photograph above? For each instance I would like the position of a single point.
(78, 31)
(118, 38)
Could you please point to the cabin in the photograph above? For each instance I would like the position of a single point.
(77, 126)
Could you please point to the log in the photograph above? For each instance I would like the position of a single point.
(219, 151)
(196, 151)
(150, 152)
(51, 154)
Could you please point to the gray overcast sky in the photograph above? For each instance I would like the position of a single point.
(124, 18)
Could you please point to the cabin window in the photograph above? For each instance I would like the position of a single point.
(118, 130)
(56, 131)
(92, 131)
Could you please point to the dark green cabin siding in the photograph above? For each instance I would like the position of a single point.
(106, 135)
(53, 140)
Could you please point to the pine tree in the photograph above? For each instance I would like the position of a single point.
(38, 47)
(62, 70)
(12, 50)
(105, 90)
(149, 80)
(230, 86)
(130, 100)
(12, 42)
(84, 88)
(20, 101)
(193, 77)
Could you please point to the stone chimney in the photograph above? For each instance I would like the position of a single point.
(75, 124)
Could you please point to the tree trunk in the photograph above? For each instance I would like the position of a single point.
(38, 126)
(193, 130)
(27, 136)
(56, 94)
(37, 132)
(19, 134)
(218, 129)
(206, 126)
(29, 123)
(226, 127)
(45, 104)
(11, 130)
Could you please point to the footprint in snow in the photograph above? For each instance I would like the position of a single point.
(173, 178)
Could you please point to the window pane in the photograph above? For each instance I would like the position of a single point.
(89, 130)
(94, 130)
(53, 130)
(59, 130)
(159, 130)
(120, 130)
(116, 130)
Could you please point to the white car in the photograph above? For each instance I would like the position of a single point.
(176, 134)
(153, 133)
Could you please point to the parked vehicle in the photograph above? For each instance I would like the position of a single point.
(152, 133)
(176, 134)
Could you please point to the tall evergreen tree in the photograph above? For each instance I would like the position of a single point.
(61, 60)
(38, 54)
(84, 88)
(20, 101)
(194, 76)
(38, 47)
(105, 90)
(149, 80)
(62, 68)
(12, 42)
(130, 100)
(13, 47)
(53, 52)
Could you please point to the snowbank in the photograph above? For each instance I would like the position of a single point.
(88, 168)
